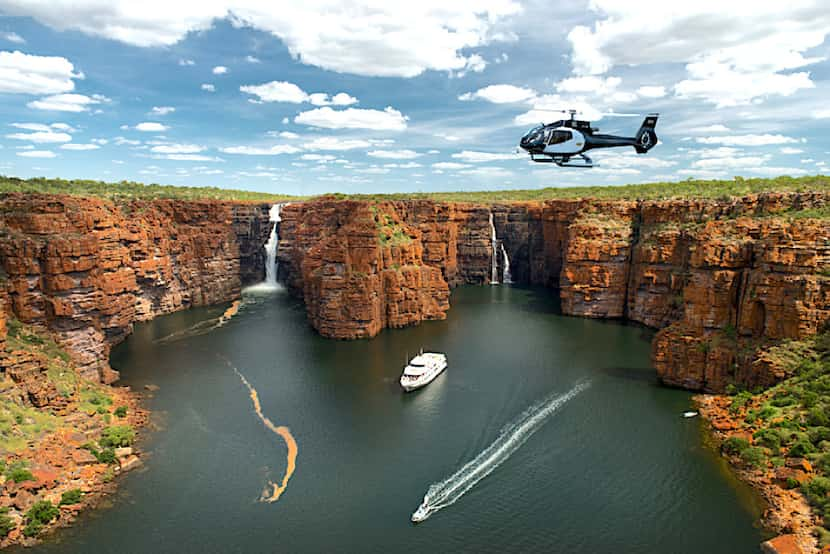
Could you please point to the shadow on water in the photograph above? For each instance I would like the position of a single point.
(641, 374)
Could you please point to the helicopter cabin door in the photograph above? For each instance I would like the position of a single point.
(564, 141)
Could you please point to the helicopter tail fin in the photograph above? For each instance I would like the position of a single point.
(646, 138)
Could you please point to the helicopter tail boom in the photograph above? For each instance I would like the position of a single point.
(646, 138)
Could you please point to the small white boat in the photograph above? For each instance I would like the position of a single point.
(422, 369)
(689, 414)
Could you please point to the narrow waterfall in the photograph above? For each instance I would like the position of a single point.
(506, 277)
(271, 263)
(498, 248)
(494, 266)
(271, 247)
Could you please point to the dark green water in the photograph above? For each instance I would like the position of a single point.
(615, 469)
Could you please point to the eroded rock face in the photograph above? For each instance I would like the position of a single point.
(86, 269)
(720, 279)
(361, 268)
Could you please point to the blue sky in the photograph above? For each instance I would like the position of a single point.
(325, 95)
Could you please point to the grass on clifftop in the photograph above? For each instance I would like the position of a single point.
(130, 190)
(649, 191)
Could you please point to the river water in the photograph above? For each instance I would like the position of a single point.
(612, 467)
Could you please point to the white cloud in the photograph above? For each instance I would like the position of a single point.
(739, 162)
(333, 143)
(68, 102)
(284, 134)
(219, 70)
(185, 62)
(318, 157)
(12, 37)
(41, 137)
(26, 74)
(252, 59)
(177, 148)
(37, 154)
(394, 154)
(487, 171)
(747, 140)
(736, 51)
(389, 119)
(449, 165)
(162, 110)
(721, 85)
(283, 91)
(77, 146)
(480, 157)
(377, 39)
(500, 94)
(407, 165)
(588, 84)
(652, 91)
(261, 151)
(777, 171)
(208, 87)
(790, 150)
(190, 158)
(121, 141)
(821, 114)
(716, 128)
(475, 64)
(151, 127)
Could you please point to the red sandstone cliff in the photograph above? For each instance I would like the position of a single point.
(723, 277)
(86, 269)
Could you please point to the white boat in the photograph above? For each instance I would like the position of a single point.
(422, 369)
(689, 414)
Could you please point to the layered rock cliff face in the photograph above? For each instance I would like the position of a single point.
(86, 269)
(361, 268)
(720, 278)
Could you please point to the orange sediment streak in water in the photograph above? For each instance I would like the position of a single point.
(272, 491)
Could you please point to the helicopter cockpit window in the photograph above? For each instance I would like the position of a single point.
(560, 136)
(535, 134)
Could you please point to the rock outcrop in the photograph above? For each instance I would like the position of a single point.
(86, 269)
(361, 268)
(718, 278)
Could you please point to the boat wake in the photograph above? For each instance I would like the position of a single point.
(447, 492)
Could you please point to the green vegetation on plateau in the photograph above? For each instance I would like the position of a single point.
(682, 189)
(127, 190)
(792, 420)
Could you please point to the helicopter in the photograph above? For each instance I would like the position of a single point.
(562, 140)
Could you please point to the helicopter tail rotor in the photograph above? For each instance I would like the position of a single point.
(646, 138)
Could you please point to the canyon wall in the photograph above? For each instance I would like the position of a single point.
(86, 269)
(720, 279)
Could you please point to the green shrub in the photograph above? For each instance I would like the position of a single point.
(768, 438)
(6, 523)
(71, 497)
(105, 456)
(753, 456)
(817, 417)
(121, 411)
(734, 445)
(809, 399)
(801, 448)
(43, 511)
(791, 483)
(818, 434)
(33, 528)
(117, 436)
(21, 474)
(816, 489)
(739, 401)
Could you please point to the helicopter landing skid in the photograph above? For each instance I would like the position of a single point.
(585, 164)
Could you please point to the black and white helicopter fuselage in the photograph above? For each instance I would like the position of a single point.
(562, 140)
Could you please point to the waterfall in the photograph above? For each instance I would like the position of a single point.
(494, 269)
(271, 247)
(506, 277)
(271, 263)
(498, 247)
